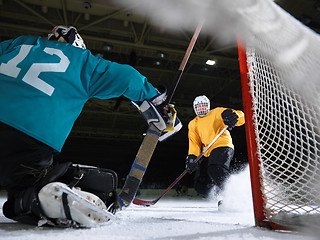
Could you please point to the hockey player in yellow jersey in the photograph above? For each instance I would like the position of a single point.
(214, 167)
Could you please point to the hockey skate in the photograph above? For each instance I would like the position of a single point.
(73, 206)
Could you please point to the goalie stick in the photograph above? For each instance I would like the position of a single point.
(150, 141)
(147, 203)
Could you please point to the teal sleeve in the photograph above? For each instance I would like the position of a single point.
(111, 80)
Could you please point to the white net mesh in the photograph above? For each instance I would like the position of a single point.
(287, 130)
(283, 63)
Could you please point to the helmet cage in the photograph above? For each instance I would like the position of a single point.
(67, 34)
(201, 106)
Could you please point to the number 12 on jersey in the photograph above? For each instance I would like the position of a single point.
(31, 77)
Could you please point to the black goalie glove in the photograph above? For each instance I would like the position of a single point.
(191, 164)
(230, 118)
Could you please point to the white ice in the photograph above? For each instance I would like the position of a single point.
(170, 218)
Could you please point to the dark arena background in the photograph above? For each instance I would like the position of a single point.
(108, 133)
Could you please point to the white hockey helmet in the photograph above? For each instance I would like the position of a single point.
(67, 34)
(201, 106)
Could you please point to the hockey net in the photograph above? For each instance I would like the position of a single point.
(282, 107)
(280, 69)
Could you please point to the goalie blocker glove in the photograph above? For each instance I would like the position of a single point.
(163, 117)
(230, 118)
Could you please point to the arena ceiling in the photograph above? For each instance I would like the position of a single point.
(120, 34)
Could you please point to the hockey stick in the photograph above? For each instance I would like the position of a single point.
(150, 141)
(183, 64)
(149, 203)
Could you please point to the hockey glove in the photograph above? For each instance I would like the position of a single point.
(230, 118)
(151, 114)
(169, 113)
(163, 116)
(161, 97)
(191, 164)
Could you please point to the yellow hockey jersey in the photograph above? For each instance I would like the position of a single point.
(203, 130)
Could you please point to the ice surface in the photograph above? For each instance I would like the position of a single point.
(170, 218)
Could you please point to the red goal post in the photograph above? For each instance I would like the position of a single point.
(260, 218)
(283, 145)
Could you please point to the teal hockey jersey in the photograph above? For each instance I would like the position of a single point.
(45, 84)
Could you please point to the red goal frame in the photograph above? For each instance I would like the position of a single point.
(254, 162)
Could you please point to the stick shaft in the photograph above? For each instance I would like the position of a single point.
(148, 203)
(183, 63)
(147, 147)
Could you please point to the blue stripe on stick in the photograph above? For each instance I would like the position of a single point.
(136, 166)
(153, 132)
(139, 167)
(121, 202)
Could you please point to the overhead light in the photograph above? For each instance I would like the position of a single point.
(157, 63)
(204, 69)
(210, 62)
(107, 48)
(161, 55)
(86, 5)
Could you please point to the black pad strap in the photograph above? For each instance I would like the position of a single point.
(66, 206)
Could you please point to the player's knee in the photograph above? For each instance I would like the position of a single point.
(202, 186)
(218, 174)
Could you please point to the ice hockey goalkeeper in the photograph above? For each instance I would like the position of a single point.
(44, 86)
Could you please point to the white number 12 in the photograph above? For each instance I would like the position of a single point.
(32, 75)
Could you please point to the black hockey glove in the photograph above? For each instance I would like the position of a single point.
(229, 118)
(191, 164)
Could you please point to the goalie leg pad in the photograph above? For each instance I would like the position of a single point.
(99, 181)
(72, 206)
(23, 204)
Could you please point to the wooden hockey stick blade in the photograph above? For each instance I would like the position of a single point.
(139, 166)
(131, 185)
(150, 203)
